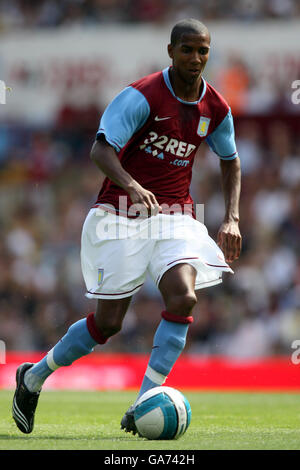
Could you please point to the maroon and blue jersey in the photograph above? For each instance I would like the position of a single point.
(156, 136)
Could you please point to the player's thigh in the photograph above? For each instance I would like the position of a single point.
(112, 267)
(192, 245)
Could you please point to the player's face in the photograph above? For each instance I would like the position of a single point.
(189, 56)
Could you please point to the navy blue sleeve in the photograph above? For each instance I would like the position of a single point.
(124, 116)
(222, 141)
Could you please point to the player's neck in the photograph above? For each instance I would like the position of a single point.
(183, 90)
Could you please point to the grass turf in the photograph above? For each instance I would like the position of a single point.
(91, 420)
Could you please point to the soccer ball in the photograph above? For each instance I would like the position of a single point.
(162, 413)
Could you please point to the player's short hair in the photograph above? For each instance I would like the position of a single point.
(188, 26)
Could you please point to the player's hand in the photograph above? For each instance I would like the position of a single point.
(143, 197)
(230, 240)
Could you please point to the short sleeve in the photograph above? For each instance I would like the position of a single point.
(222, 139)
(124, 116)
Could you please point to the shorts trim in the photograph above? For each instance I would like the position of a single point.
(166, 268)
(181, 259)
(199, 285)
(118, 295)
(217, 265)
(202, 285)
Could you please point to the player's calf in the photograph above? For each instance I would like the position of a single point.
(109, 316)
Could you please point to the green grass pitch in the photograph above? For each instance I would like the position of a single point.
(91, 420)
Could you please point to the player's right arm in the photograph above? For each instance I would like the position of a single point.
(105, 157)
(124, 116)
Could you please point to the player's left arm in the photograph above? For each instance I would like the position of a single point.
(229, 236)
(222, 142)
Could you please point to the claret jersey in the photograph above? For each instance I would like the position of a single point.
(156, 136)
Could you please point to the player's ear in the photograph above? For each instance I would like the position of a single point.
(170, 51)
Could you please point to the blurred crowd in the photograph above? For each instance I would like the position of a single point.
(47, 185)
(16, 14)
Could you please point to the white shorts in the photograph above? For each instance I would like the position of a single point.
(117, 252)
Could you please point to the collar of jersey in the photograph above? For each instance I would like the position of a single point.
(168, 83)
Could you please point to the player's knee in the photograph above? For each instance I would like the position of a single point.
(182, 304)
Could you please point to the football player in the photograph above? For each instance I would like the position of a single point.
(146, 144)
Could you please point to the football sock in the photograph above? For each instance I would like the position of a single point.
(169, 341)
(77, 342)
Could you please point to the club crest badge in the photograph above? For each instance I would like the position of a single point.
(203, 126)
(100, 276)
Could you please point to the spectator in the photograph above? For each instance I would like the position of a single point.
(21, 14)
